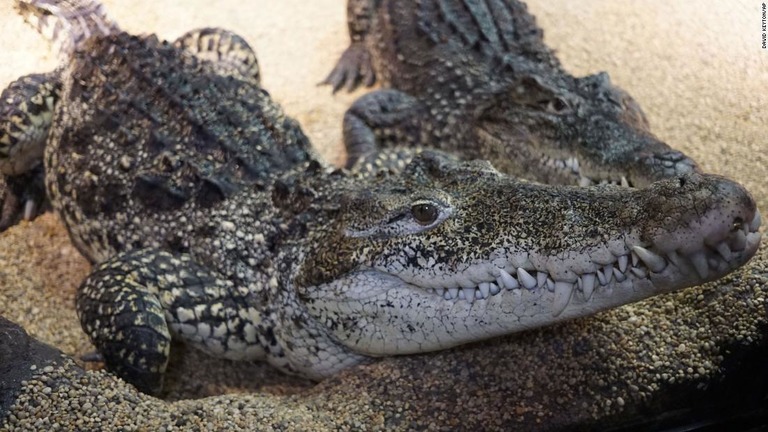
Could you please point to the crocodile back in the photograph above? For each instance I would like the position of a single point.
(146, 134)
(413, 38)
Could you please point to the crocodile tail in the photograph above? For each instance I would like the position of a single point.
(67, 24)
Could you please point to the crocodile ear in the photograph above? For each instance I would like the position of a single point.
(599, 87)
(532, 91)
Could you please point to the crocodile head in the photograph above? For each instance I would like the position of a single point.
(450, 253)
(579, 130)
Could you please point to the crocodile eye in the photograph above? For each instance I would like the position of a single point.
(557, 105)
(425, 214)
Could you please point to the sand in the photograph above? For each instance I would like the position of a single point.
(698, 70)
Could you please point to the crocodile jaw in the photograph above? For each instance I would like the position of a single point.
(377, 312)
(542, 159)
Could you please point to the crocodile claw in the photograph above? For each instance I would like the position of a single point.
(354, 68)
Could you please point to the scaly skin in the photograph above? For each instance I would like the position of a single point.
(28, 104)
(26, 110)
(210, 220)
(476, 79)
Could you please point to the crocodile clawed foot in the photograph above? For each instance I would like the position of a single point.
(92, 357)
(354, 68)
(22, 198)
(9, 206)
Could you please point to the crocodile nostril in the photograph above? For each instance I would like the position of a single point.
(738, 224)
(682, 181)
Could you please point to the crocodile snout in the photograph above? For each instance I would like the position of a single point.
(723, 233)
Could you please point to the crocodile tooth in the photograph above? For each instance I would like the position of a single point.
(635, 258)
(494, 288)
(724, 251)
(620, 277)
(601, 278)
(588, 284)
(563, 293)
(699, 261)
(739, 240)
(608, 272)
(623, 261)
(653, 261)
(440, 292)
(521, 260)
(469, 294)
(573, 164)
(624, 181)
(500, 282)
(541, 279)
(479, 295)
(506, 280)
(452, 293)
(463, 296)
(639, 272)
(30, 209)
(756, 221)
(584, 181)
(550, 285)
(528, 281)
(485, 289)
(676, 259)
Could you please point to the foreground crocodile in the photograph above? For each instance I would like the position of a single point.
(212, 221)
(476, 78)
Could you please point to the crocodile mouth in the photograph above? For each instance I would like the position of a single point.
(672, 265)
(560, 169)
(379, 310)
(571, 167)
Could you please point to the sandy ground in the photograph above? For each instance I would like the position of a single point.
(697, 68)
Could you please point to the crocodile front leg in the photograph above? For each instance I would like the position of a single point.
(383, 119)
(132, 305)
(26, 113)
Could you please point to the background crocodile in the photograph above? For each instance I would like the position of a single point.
(476, 78)
(221, 228)
(701, 89)
(28, 104)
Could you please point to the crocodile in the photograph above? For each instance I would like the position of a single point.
(210, 219)
(28, 104)
(476, 79)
